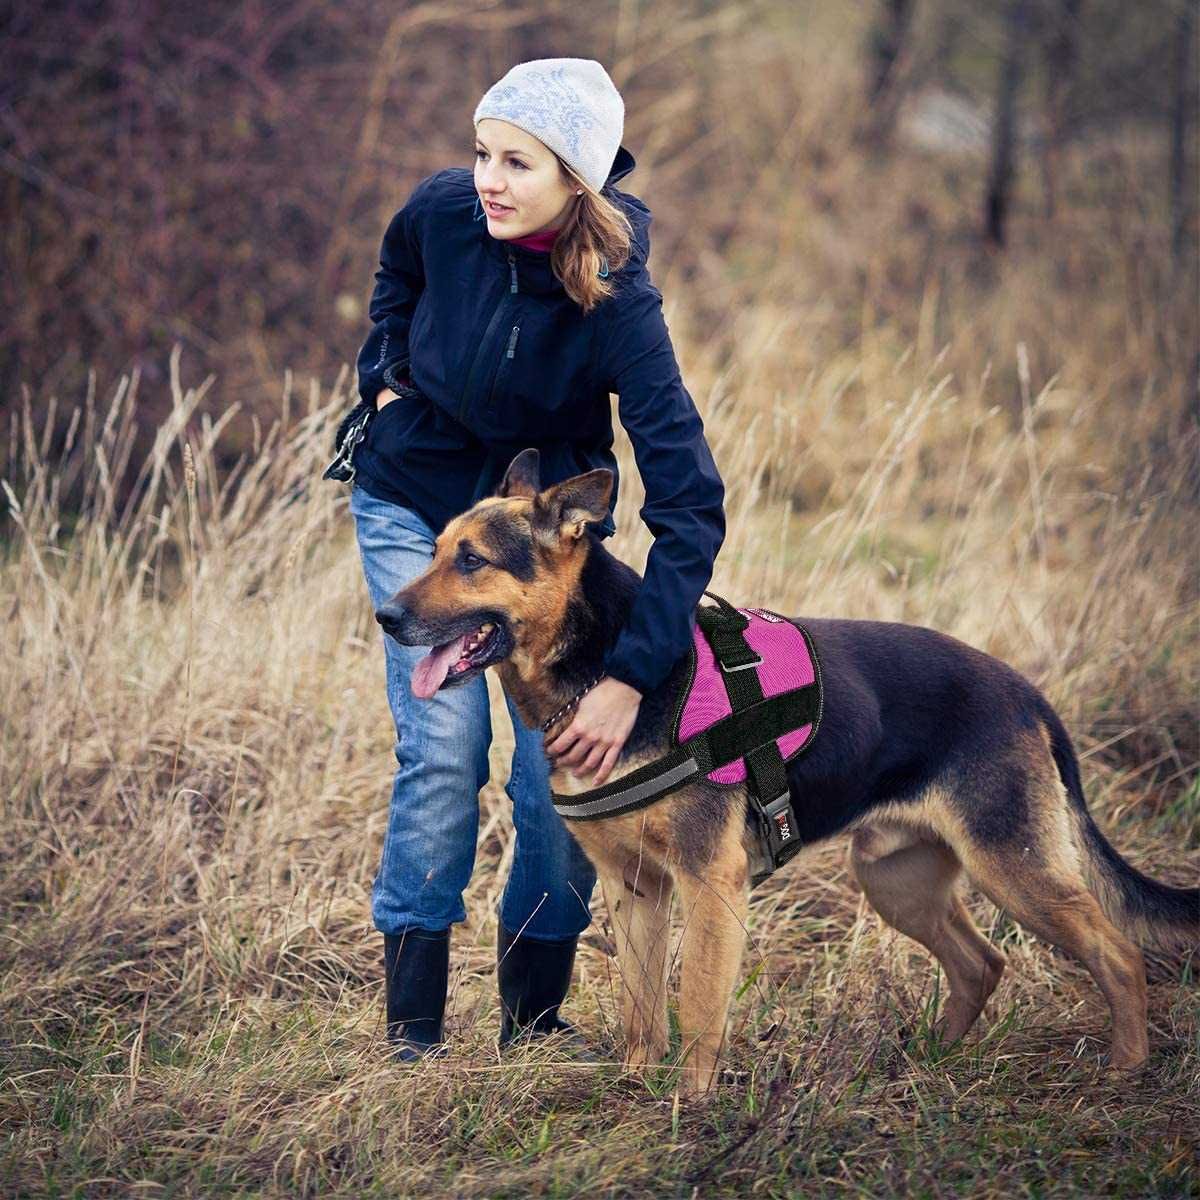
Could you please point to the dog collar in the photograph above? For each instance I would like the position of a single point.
(570, 704)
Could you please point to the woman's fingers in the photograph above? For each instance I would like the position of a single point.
(606, 765)
(582, 753)
(592, 742)
(577, 754)
(562, 742)
(595, 757)
(558, 748)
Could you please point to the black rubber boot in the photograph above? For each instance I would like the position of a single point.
(416, 966)
(533, 978)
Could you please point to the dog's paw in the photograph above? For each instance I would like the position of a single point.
(641, 1056)
(695, 1084)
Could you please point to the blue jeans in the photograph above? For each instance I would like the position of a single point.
(442, 755)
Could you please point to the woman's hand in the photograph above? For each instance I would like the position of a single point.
(598, 730)
(385, 397)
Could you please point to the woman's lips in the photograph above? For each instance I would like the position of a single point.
(496, 210)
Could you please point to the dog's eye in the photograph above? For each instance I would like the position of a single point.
(472, 562)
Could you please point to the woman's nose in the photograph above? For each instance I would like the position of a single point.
(489, 182)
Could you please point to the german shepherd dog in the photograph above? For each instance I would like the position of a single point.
(935, 757)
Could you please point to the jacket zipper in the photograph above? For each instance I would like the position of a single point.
(485, 341)
(508, 354)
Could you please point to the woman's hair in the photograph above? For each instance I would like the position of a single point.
(592, 245)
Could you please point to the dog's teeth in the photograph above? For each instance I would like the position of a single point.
(486, 627)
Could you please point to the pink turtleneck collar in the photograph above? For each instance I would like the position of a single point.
(537, 241)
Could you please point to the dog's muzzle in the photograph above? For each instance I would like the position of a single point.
(391, 618)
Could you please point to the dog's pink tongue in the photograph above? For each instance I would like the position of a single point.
(428, 674)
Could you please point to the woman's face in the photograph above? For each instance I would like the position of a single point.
(520, 183)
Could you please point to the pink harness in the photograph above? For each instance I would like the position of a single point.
(751, 703)
(787, 662)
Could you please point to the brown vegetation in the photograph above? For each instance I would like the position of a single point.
(194, 748)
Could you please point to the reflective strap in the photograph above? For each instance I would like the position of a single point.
(639, 795)
(730, 738)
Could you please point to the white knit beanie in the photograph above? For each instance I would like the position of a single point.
(568, 104)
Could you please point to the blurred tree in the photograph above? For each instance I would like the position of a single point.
(887, 46)
(1061, 50)
(1004, 128)
(1183, 89)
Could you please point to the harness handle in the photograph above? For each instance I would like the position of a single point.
(725, 629)
(728, 611)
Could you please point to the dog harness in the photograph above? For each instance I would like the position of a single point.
(751, 703)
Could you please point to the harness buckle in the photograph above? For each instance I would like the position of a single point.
(741, 666)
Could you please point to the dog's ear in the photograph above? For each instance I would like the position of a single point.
(521, 478)
(563, 510)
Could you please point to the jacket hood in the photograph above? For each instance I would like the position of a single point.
(622, 165)
(635, 210)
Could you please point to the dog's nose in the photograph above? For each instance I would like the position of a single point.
(390, 616)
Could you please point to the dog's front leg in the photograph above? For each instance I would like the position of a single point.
(639, 903)
(714, 904)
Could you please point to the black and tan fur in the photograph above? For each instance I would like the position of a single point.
(936, 758)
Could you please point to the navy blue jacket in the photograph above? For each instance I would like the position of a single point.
(501, 358)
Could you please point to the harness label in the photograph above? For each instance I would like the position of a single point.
(766, 616)
(783, 826)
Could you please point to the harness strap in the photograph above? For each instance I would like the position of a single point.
(769, 793)
(636, 790)
(752, 727)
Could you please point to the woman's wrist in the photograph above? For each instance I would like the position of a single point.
(386, 396)
(627, 686)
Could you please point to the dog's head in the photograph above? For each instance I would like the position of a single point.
(501, 578)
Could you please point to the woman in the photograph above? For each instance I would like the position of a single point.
(507, 307)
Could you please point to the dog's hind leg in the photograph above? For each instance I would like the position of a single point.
(910, 883)
(1016, 842)
(714, 903)
(638, 896)
(1061, 910)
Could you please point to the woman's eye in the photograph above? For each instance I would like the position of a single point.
(512, 161)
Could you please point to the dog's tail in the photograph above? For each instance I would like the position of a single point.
(1153, 913)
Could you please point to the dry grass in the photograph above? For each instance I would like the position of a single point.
(195, 749)
(194, 777)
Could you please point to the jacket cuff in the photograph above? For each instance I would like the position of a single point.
(371, 383)
(618, 668)
(395, 376)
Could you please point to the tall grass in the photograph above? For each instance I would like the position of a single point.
(194, 774)
(195, 751)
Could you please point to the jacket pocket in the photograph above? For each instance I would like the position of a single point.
(389, 430)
